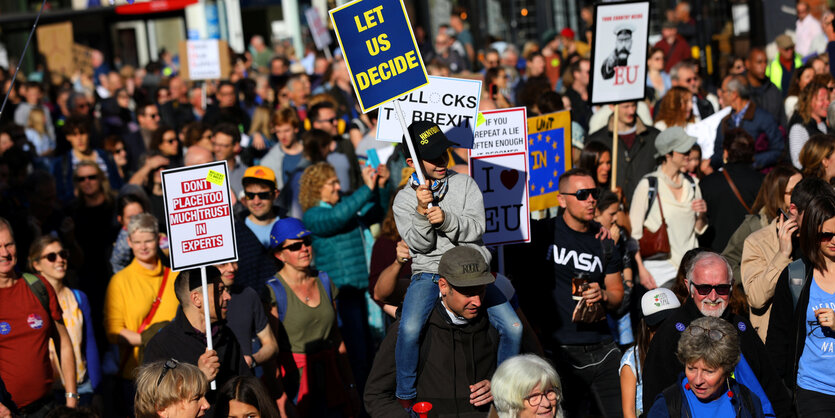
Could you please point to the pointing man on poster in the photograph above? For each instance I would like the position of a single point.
(623, 47)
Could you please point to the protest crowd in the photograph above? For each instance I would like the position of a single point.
(689, 269)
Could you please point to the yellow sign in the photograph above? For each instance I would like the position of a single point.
(549, 145)
(215, 177)
(479, 120)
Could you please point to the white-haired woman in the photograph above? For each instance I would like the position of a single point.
(526, 386)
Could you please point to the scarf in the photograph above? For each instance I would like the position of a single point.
(438, 187)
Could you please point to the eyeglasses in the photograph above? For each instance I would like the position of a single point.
(296, 246)
(713, 334)
(82, 179)
(705, 289)
(826, 236)
(536, 399)
(51, 257)
(583, 194)
(153, 115)
(170, 364)
(331, 120)
(170, 141)
(119, 151)
(261, 195)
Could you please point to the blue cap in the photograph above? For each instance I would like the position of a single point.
(287, 228)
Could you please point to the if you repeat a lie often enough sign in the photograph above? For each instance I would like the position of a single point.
(379, 49)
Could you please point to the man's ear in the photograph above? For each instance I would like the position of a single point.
(443, 286)
(196, 296)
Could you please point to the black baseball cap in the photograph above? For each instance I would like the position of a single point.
(464, 266)
(429, 140)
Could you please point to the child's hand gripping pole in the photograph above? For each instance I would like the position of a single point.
(409, 144)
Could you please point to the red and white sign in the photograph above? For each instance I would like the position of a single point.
(318, 30)
(619, 52)
(198, 212)
(499, 165)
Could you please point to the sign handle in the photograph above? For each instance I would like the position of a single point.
(327, 51)
(203, 96)
(614, 176)
(209, 345)
(409, 144)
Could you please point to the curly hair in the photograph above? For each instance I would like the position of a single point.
(698, 345)
(807, 95)
(671, 109)
(311, 183)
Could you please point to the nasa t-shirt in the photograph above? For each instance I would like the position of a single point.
(571, 253)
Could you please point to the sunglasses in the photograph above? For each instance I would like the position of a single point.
(713, 334)
(705, 289)
(826, 236)
(296, 246)
(52, 257)
(331, 120)
(82, 179)
(261, 195)
(170, 141)
(583, 194)
(170, 364)
(119, 151)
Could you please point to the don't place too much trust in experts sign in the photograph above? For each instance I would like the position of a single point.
(380, 50)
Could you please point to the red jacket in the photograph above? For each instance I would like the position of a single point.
(675, 53)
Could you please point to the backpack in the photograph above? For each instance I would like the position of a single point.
(653, 189)
(39, 289)
(281, 294)
(797, 279)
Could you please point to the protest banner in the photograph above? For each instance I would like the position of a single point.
(705, 131)
(55, 43)
(452, 103)
(380, 50)
(205, 59)
(319, 31)
(549, 146)
(198, 218)
(499, 165)
(619, 52)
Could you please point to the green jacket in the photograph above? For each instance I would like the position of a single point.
(338, 247)
(774, 71)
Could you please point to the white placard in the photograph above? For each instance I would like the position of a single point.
(318, 30)
(203, 59)
(619, 53)
(499, 165)
(198, 215)
(705, 131)
(452, 103)
(502, 132)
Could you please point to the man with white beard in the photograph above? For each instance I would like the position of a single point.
(709, 279)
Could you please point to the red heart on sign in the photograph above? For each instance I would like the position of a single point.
(509, 178)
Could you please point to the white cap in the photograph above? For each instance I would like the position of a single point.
(657, 304)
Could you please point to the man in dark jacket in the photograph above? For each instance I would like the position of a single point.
(457, 347)
(636, 147)
(255, 258)
(184, 338)
(746, 114)
(763, 92)
(730, 193)
(711, 273)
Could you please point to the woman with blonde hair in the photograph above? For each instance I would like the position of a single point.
(809, 119)
(170, 389)
(38, 134)
(816, 157)
(526, 385)
(675, 109)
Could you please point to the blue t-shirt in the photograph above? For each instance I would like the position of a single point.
(815, 370)
(631, 359)
(719, 407)
(261, 231)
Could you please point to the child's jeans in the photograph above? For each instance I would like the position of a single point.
(418, 304)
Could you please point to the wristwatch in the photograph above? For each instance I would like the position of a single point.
(72, 395)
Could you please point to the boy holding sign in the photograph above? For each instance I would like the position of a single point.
(444, 212)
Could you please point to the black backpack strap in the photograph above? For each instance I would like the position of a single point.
(652, 192)
(672, 396)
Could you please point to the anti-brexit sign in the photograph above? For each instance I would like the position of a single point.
(380, 50)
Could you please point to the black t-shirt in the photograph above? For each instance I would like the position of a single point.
(245, 317)
(571, 252)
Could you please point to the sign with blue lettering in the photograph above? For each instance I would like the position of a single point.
(549, 145)
(380, 50)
